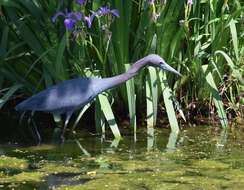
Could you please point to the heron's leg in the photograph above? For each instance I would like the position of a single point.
(39, 139)
(33, 128)
(22, 118)
(68, 116)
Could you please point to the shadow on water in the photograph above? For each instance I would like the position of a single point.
(196, 158)
(66, 179)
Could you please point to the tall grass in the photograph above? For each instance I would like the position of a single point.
(203, 41)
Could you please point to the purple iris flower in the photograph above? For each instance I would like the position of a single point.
(151, 2)
(81, 2)
(102, 11)
(190, 2)
(106, 10)
(89, 19)
(70, 18)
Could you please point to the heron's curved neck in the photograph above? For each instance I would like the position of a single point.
(119, 79)
(134, 69)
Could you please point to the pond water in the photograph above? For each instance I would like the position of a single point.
(200, 158)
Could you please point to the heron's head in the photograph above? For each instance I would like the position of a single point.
(157, 61)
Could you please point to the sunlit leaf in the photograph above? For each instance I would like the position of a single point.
(167, 95)
(216, 97)
(108, 113)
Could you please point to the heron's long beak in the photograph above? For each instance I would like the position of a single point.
(166, 67)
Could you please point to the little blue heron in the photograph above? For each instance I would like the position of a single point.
(70, 95)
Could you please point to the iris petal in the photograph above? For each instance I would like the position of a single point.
(56, 15)
(69, 23)
(115, 12)
(74, 15)
(70, 20)
(81, 2)
(89, 20)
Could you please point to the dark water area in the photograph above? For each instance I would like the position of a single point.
(198, 158)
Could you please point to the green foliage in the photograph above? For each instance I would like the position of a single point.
(36, 53)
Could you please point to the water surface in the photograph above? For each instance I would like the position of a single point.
(199, 158)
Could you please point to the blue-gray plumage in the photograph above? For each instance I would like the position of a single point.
(70, 95)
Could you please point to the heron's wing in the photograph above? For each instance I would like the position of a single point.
(62, 97)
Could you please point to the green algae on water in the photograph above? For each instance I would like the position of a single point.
(7, 162)
(197, 162)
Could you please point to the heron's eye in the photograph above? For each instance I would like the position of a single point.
(161, 63)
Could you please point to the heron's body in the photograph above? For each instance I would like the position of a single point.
(70, 95)
(62, 97)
